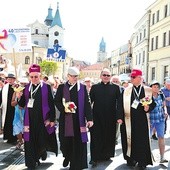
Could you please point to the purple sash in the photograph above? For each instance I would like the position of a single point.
(69, 130)
(45, 110)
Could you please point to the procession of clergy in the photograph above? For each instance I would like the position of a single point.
(32, 108)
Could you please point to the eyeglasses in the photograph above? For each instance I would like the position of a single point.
(33, 77)
(106, 75)
(73, 75)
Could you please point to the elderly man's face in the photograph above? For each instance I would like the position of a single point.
(136, 80)
(35, 77)
(72, 78)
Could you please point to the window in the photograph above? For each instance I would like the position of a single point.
(156, 43)
(36, 31)
(165, 71)
(157, 16)
(38, 60)
(152, 43)
(143, 60)
(153, 19)
(164, 39)
(139, 58)
(136, 39)
(36, 42)
(56, 33)
(144, 33)
(56, 41)
(153, 73)
(136, 59)
(140, 36)
(166, 11)
(27, 60)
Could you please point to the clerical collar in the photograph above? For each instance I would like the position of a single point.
(105, 83)
(35, 84)
(41, 84)
(71, 84)
(137, 86)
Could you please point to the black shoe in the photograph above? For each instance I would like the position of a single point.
(131, 163)
(65, 162)
(44, 156)
(30, 168)
(93, 163)
(141, 166)
(38, 163)
(154, 137)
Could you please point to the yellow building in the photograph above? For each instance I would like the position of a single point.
(159, 41)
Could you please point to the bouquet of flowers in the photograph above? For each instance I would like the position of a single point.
(70, 107)
(17, 88)
(146, 101)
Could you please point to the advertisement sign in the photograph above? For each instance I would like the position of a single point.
(18, 39)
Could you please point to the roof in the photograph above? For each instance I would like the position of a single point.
(57, 19)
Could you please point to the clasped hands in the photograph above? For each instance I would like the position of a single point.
(47, 122)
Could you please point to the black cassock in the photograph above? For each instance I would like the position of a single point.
(104, 99)
(73, 148)
(40, 141)
(140, 141)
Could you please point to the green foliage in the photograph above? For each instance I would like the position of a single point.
(48, 67)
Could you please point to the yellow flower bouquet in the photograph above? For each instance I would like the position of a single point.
(146, 101)
(18, 88)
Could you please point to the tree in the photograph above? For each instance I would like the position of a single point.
(48, 67)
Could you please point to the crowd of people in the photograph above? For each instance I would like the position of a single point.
(32, 108)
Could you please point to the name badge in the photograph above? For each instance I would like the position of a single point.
(135, 104)
(30, 103)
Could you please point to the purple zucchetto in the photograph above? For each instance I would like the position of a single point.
(34, 68)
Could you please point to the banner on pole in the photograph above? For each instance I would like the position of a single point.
(18, 39)
(56, 54)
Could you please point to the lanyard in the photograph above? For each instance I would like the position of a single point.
(34, 91)
(137, 93)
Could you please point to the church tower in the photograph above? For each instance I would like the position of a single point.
(101, 55)
(56, 30)
(49, 19)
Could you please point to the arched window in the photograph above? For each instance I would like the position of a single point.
(39, 60)
(55, 41)
(27, 60)
(36, 31)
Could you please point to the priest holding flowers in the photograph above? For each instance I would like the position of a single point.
(135, 103)
(75, 117)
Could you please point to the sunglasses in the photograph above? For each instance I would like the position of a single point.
(106, 75)
(33, 77)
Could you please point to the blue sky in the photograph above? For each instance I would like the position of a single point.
(85, 21)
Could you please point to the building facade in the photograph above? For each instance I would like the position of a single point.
(159, 47)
